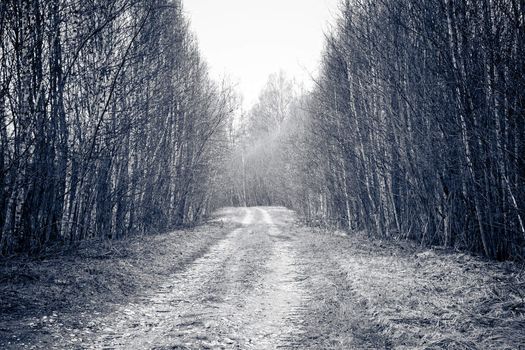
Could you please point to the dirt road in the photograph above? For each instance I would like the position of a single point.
(247, 292)
(273, 284)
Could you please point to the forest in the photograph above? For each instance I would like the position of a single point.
(110, 125)
(379, 204)
(414, 130)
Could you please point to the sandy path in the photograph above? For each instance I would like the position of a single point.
(245, 293)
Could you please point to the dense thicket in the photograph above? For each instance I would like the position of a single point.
(418, 124)
(415, 128)
(108, 121)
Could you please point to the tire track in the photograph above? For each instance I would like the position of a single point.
(247, 292)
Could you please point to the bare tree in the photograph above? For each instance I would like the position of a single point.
(109, 122)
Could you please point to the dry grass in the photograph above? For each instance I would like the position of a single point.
(432, 299)
(94, 278)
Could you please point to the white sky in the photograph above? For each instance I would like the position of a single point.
(247, 40)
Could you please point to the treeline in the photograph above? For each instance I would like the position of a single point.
(421, 105)
(109, 122)
(260, 167)
(415, 127)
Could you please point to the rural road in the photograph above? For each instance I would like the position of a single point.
(248, 292)
(268, 282)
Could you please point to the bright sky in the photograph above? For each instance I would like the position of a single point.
(247, 40)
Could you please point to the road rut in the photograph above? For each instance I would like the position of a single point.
(246, 292)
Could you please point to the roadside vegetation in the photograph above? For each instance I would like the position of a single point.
(414, 128)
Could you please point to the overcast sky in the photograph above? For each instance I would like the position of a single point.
(247, 40)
